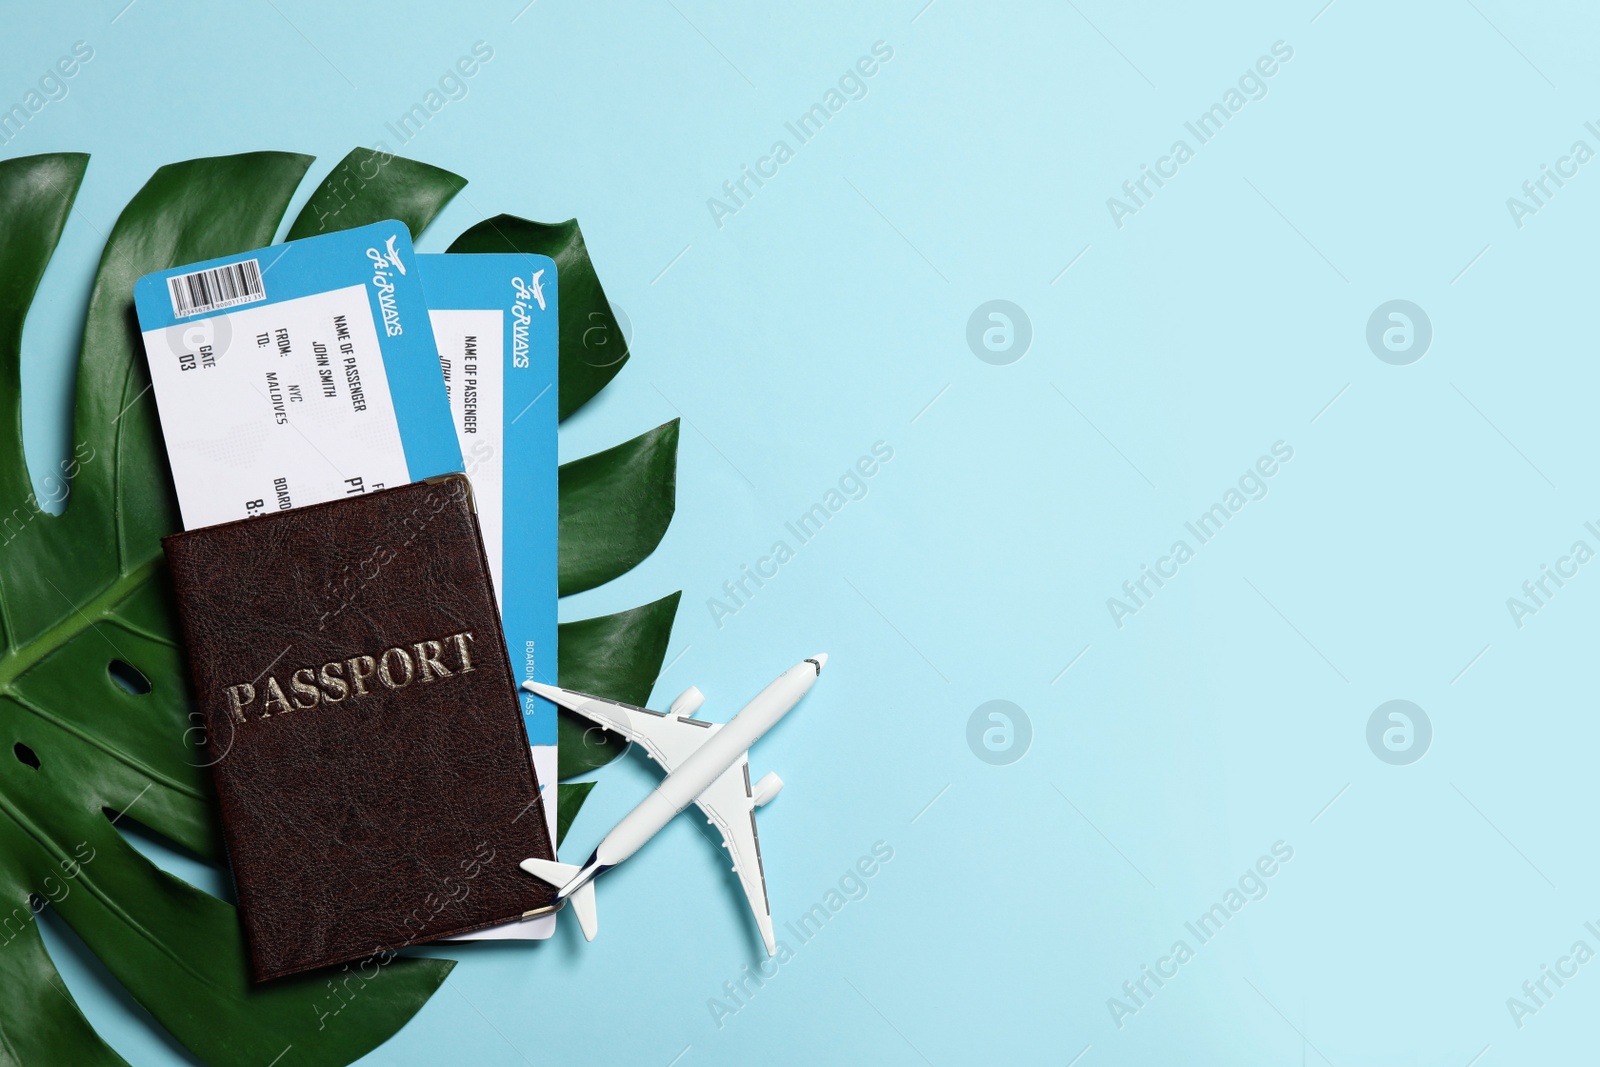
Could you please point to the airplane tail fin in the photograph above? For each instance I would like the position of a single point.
(549, 871)
(582, 898)
(583, 907)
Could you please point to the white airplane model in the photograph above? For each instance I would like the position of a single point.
(706, 763)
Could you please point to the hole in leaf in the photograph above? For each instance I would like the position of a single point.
(26, 755)
(129, 677)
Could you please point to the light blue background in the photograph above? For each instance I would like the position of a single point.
(828, 314)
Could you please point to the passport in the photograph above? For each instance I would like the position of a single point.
(362, 725)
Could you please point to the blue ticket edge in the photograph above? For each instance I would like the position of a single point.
(529, 489)
(337, 261)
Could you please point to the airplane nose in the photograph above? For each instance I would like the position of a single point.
(821, 660)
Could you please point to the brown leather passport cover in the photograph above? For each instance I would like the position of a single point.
(363, 725)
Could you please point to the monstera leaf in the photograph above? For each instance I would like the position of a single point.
(96, 722)
(617, 656)
(593, 349)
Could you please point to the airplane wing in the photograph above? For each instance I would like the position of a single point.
(730, 806)
(669, 739)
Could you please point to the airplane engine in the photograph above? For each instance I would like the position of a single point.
(688, 702)
(767, 788)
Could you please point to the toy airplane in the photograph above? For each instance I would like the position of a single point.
(706, 763)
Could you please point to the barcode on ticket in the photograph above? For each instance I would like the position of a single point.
(220, 287)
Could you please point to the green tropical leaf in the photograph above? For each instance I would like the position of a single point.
(36, 195)
(38, 1023)
(93, 702)
(569, 798)
(83, 594)
(613, 656)
(615, 507)
(370, 186)
(593, 349)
